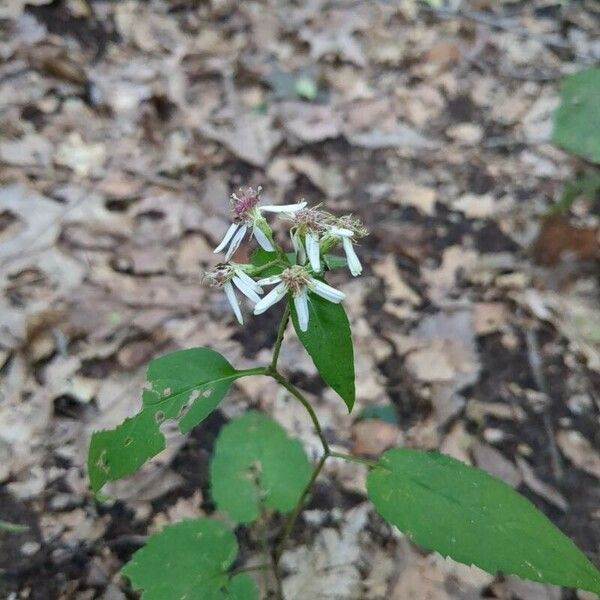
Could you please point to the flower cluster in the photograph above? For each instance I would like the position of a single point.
(314, 233)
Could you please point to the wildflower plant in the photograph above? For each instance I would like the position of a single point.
(257, 469)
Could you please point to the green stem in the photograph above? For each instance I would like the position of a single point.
(355, 459)
(254, 371)
(280, 333)
(272, 263)
(264, 567)
(292, 389)
(289, 526)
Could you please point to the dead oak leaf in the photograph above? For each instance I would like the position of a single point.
(251, 138)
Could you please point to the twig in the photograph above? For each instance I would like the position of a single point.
(536, 364)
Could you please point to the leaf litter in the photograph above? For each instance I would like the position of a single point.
(124, 128)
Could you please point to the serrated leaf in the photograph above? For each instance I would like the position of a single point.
(328, 341)
(184, 386)
(464, 513)
(189, 560)
(255, 463)
(577, 119)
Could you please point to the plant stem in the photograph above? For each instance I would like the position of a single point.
(292, 389)
(273, 263)
(294, 515)
(250, 569)
(355, 459)
(280, 333)
(254, 371)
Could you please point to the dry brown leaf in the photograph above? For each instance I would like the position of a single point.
(536, 485)
(579, 451)
(421, 197)
(493, 461)
(371, 437)
(397, 288)
(251, 137)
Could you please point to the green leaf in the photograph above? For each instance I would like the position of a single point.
(255, 463)
(189, 560)
(464, 513)
(328, 341)
(335, 262)
(242, 587)
(577, 119)
(184, 386)
(385, 413)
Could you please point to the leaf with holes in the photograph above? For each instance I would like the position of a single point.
(189, 560)
(464, 513)
(255, 463)
(328, 341)
(184, 386)
(577, 119)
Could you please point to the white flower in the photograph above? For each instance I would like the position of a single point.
(247, 214)
(297, 281)
(228, 275)
(307, 226)
(346, 235)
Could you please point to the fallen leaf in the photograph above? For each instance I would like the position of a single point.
(421, 197)
(493, 461)
(371, 437)
(536, 485)
(579, 451)
(558, 238)
(252, 137)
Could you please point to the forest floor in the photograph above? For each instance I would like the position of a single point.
(124, 127)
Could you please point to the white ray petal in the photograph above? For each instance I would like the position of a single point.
(326, 291)
(248, 280)
(301, 304)
(263, 241)
(282, 208)
(274, 296)
(245, 289)
(269, 280)
(228, 236)
(236, 241)
(312, 250)
(341, 232)
(233, 301)
(353, 262)
(298, 249)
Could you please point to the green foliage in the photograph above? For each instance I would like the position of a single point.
(189, 560)
(577, 120)
(328, 341)
(586, 185)
(255, 463)
(8, 527)
(185, 386)
(385, 413)
(464, 513)
(260, 257)
(335, 262)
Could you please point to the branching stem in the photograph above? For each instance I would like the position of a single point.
(294, 514)
(280, 333)
(272, 371)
